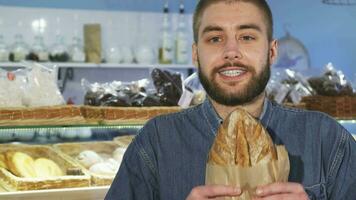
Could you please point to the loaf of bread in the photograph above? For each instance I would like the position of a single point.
(243, 141)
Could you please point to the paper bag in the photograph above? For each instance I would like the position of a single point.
(248, 178)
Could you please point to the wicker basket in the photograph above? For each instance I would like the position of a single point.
(125, 140)
(50, 115)
(342, 107)
(12, 182)
(127, 115)
(72, 150)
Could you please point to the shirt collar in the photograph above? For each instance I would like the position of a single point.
(214, 120)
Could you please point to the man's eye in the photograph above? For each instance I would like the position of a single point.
(215, 39)
(247, 38)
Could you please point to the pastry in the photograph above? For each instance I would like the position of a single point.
(109, 167)
(20, 164)
(47, 168)
(88, 158)
(118, 154)
(241, 140)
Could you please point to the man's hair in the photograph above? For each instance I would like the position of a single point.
(203, 4)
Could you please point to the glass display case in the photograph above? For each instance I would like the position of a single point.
(70, 152)
(66, 139)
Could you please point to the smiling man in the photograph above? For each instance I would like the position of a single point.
(233, 50)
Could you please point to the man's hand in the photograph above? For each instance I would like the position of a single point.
(213, 192)
(284, 191)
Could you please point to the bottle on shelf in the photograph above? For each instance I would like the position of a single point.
(39, 51)
(144, 52)
(19, 49)
(76, 50)
(112, 52)
(165, 55)
(181, 41)
(113, 55)
(4, 51)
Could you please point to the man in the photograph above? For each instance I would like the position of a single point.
(233, 51)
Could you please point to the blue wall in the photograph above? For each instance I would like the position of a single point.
(327, 31)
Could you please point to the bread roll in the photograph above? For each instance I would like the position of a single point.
(20, 164)
(3, 161)
(242, 140)
(46, 168)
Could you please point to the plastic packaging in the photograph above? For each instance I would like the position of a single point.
(116, 93)
(331, 83)
(34, 85)
(41, 87)
(288, 87)
(193, 92)
(168, 85)
(10, 92)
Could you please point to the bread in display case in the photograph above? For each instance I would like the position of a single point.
(20, 173)
(100, 160)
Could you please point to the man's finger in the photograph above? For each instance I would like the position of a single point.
(283, 196)
(212, 191)
(278, 188)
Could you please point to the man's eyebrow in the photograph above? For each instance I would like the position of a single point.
(249, 26)
(211, 28)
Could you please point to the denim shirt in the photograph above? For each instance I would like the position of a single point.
(168, 157)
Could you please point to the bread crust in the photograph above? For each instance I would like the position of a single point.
(242, 140)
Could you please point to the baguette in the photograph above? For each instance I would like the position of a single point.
(243, 141)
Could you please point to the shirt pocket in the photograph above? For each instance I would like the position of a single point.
(316, 192)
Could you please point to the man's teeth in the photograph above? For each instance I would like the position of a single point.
(231, 72)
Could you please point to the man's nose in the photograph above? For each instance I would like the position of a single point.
(232, 50)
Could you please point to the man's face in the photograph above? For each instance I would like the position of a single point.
(233, 54)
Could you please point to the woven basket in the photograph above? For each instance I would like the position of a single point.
(72, 150)
(74, 115)
(125, 140)
(12, 182)
(342, 107)
(127, 115)
(50, 115)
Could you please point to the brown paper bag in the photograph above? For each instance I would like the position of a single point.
(248, 178)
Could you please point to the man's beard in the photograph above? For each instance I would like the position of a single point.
(247, 94)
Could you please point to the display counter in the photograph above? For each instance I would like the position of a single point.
(98, 129)
(64, 134)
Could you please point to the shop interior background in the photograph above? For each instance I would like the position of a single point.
(328, 32)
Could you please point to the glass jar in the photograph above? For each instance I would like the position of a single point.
(59, 51)
(76, 50)
(39, 51)
(4, 52)
(19, 49)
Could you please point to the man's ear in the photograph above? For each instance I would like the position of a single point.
(195, 54)
(273, 51)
